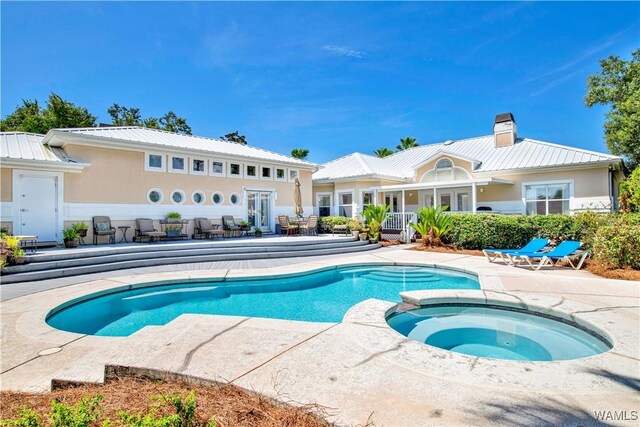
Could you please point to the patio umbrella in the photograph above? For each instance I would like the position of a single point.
(297, 198)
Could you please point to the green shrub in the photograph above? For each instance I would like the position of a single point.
(556, 228)
(28, 418)
(618, 246)
(490, 231)
(82, 414)
(327, 222)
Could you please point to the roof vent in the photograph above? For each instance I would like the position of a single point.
(448, 142)
(504, 130)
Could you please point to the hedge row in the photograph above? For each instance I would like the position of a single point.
(614, 238)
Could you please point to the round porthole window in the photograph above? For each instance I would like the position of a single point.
(234, 199)
(198, 197)
(155, 196)
(217, 198)
(177, 197)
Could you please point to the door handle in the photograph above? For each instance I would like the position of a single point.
(24, 210)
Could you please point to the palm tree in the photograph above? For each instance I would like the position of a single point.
(300, 153)
(407, 142)
(382, 152)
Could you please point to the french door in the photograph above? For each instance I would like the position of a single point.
(259, 209)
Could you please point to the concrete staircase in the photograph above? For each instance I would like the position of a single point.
(87, 260)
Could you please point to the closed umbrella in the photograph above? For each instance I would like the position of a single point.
(297, 198)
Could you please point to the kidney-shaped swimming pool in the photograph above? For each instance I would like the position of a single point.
(321, 296)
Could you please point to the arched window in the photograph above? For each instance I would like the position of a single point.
(444, 163)
(445, 171)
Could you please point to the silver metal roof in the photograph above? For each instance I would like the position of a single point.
(28, 147)
(524, 154)
(134, 134)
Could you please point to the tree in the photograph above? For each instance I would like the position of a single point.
(407, 142)
(382, 152)
(124, 116)
(235, 137)
(58, 113)
(618, 85)
(300, 153)
(630, 193)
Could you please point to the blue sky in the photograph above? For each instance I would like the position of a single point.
(331, 77)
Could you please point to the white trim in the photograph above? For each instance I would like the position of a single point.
(177, 190)
(361, 198)
(331, 206)
(224, 167)
(204, 197)
(185, 163)
(159, 191)
(246, 171)
(16, 189)
(221, 202)
(149, 168)
(44, 165)
(271, 170)
(354, 204)
(275, 174)
(195, 172)
(240, 169)
(297, 171)
(569, 181)
(239, 202)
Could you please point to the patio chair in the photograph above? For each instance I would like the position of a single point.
(535, 245)
(285, 226)
(102, 227)
(204, 229)
(565, 251)
(311, 226)
(340, 228)
(145, 229)
(230, 227)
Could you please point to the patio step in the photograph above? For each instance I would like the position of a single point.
(53, 266)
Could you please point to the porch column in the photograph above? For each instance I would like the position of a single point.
(375, 197)
(404, 219)
(474, 197)
(435, 197)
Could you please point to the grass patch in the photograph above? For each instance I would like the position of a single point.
(217, 404)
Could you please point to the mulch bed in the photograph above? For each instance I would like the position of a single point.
(227, 404)
(589, 265)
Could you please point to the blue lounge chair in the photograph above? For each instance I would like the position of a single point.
(535, 245)
(565, 251)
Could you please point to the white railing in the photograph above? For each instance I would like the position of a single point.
(400, 221)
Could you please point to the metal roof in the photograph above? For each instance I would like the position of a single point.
(524, 154)
(28, 147)
(140, 135)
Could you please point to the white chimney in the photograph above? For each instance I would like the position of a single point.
(504, 130)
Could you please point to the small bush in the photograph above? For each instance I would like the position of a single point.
(327, 222)
(490, 231)
(556, 228)
(618, 246)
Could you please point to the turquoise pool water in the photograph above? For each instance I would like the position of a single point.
(323, 296)
(497, 333)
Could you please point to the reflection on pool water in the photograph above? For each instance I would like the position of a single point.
(497, 333)
(323, 296)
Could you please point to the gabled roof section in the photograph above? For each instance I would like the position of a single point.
(146, 138)
(525, 154)
(27, 149)
(356, 165)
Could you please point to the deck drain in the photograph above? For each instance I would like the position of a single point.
(48, 351)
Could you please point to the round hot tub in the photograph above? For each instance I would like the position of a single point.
(499, 332)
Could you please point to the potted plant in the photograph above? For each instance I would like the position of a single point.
(71, 237)
(81, 228)
(355, 226)
(258, 231)
(364, 234)
(374, 231)
(174, 224)
(12, 253)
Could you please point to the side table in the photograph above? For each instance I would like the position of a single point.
(123, 229)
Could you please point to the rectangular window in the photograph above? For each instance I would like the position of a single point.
(280, 174)
(266, 173)
(198, 167)
(251, 171)
(345, 204)
(293, 174)
(545, 199)
(217, 168)
(234, 169)
(154, 162)
(324, 205)
(177, 164)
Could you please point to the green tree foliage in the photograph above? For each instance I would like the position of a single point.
(383, 152)
(58, 113)
(124, 116)
(630, 193)
(618, 85)
(407, 142)
(235, 137)
(300, 153)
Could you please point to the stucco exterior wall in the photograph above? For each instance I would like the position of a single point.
(6, 184)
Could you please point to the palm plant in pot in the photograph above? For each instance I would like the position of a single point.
(258, 231)
(71, 237)
(82, 228)
(355, 226)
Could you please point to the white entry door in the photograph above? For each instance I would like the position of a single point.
(259, 209)
(38, 207)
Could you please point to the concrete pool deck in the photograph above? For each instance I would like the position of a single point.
(359, 369)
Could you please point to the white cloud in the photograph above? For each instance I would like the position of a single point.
(344, 51)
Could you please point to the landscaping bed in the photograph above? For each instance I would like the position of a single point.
(219, 405)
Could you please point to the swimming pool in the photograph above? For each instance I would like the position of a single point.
(498, 332)
(321, 296)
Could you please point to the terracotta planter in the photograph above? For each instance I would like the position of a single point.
(362, 236)
(71, 243)
(355, 233)
(258, 233)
